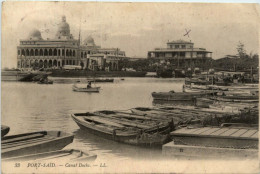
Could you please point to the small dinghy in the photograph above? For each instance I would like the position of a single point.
(34, 142)
(124, 128)
(64, 155)
(85, 89)
(4, 130)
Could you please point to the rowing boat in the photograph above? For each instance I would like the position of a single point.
(84, 89)
(64, 155)
(124, 130)
(4, 130)
(34, 142)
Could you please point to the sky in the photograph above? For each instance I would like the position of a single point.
(135, 28)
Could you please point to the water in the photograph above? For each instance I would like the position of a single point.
(32, 107)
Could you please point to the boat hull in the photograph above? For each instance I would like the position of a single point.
(65, 155)
(46, 145)
(169, 96)
(77, 89)
(132, 139)
(4, 130)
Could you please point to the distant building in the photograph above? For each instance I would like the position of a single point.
(181, 54)
(36, 52)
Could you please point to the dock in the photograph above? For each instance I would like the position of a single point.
(213, 142)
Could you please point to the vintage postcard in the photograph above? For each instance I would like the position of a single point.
(121, 87)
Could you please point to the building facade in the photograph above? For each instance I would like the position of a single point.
(63, 49)
(180, 53)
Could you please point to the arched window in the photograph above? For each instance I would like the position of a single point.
(55, 52)
(67, 52)
(31, 53)
(74, 53)
(50, 63)
(63, 52)
(70, 53)
(18, 52)
(45, 52)
(50, 52)
(55, 63)
(85, 55)
(58, 52)
(45, 64)
(23, 52)
(41, 52)
(36, 52)
(81, 54)
(27, 52)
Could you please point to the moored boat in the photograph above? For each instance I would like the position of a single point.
(64, 155)
(203, 88)
(179, 96)
(238, 97)
(34, 142)
(85, 89)
(4, 130)
(124, 130)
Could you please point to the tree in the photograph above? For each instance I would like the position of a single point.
(241, 50)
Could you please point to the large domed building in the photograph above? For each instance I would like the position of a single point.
(63, 31)
(36, 52)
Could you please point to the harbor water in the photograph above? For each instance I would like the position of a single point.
(28, 107)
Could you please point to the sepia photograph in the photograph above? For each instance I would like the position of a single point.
(129, 87)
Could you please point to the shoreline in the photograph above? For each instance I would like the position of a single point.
(83, 73)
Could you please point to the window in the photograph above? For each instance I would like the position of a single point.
(177, 46)
(183, 46)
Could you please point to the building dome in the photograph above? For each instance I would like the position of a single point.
(35, 35)
(89, 41)
(63, 29)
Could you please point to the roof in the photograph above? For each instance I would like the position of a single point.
(180, 50)
(180, 41)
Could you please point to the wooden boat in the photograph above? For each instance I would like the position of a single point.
(183, 116)
(203, 88)
(123, 130)
(64, 155)
(239, 138)
(238, 97)
(85, 89)
(196, 81)
(178, 96)
(4, 130)
(34, 142)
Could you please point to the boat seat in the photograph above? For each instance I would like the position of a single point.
(22, 138)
